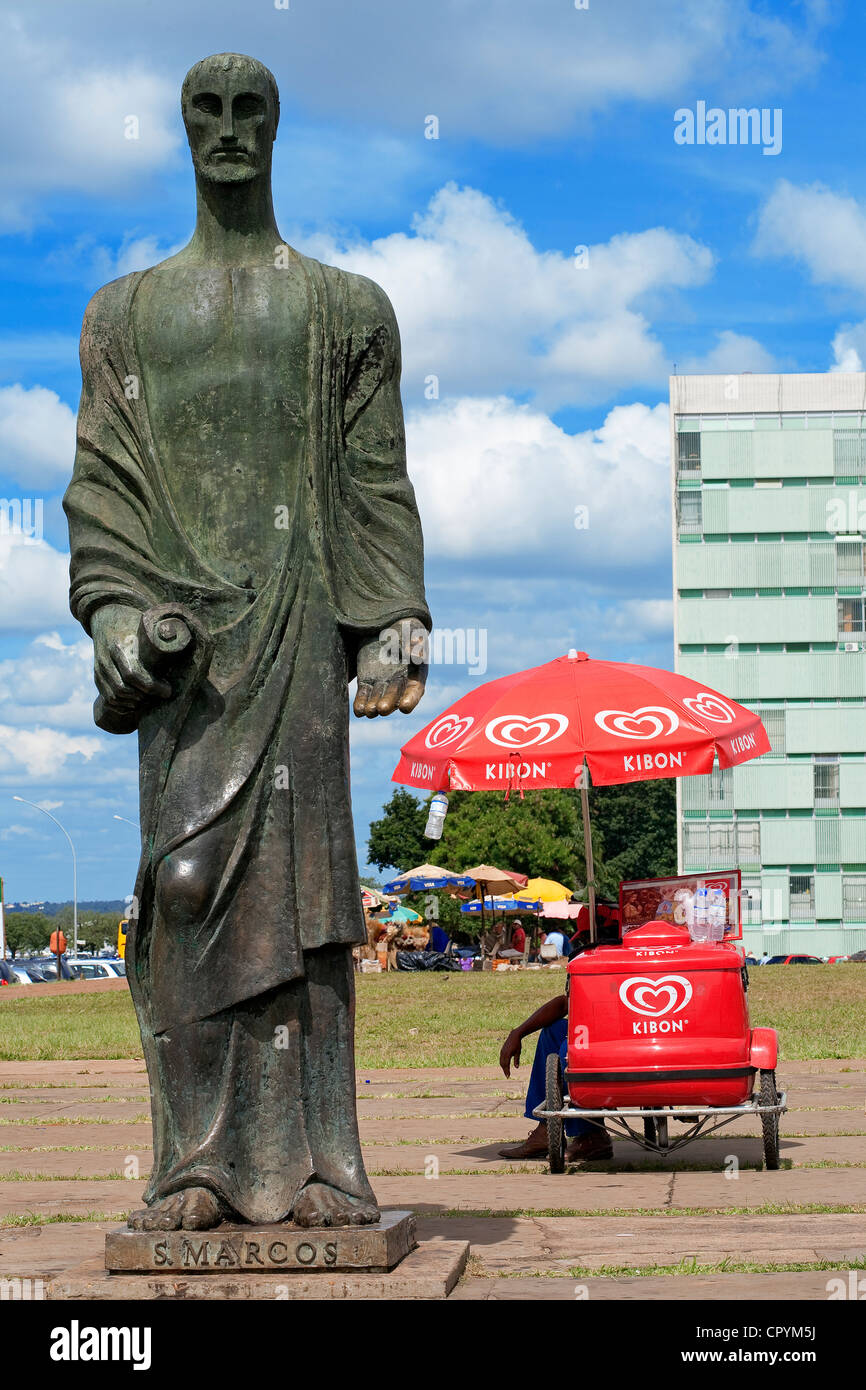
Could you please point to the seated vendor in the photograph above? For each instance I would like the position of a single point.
(586, 1141)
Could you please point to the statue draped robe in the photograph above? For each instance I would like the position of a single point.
(247, 890)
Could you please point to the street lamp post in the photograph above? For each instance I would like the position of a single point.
(74, 868)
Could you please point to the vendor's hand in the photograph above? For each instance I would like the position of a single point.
(392, 670)
(510, 1052)
(122, 679)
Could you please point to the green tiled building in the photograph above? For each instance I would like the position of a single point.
(769, 479)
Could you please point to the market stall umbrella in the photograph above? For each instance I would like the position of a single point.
(495, 881)
(542, 727)
(547, 889)
(493, 904)
(428, 876)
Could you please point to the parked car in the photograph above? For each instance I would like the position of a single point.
(47, 967)
(97, 969)
(795, 960)
(11, 973)
(837, 960)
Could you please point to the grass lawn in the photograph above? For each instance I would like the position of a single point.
(440, 1020)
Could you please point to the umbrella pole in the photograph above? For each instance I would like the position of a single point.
(590, 869)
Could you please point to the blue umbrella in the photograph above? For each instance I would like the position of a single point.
(502, 905)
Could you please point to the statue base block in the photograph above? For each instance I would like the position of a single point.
(430, 1271)
(234, 1248)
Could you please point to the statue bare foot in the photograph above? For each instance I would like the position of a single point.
(321, 1205)
(193, 1209)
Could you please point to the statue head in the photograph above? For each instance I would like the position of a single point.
(231, 108)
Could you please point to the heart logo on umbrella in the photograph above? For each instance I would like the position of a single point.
(448, 729)
(647, 722)
(653, 998)
(522, 731)
(710, 706)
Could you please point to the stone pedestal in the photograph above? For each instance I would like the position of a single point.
(239, 1249)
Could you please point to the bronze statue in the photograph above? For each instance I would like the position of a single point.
(242, 532)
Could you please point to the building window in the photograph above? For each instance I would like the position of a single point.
(689, 452)
(850, 563)
(773, 721)
(802, 891)
(851, 616)
(719, 788)
(854, 897)
(826, 783)
(748, 842)
(750, 901)
(689, 512)
(848, 453)
(721, 842)
(717, 593)
(695, 844)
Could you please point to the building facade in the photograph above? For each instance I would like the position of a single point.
(769, 483)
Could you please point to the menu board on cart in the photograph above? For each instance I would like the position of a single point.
(663, 900)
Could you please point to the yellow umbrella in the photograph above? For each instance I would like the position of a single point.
(547, 889)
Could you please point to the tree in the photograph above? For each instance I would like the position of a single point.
(397, 839)
(637, 824)
(27, 931)
(539, 834)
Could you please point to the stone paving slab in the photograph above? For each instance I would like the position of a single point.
(515, 1244)
(739, 1288)
(580, 1190)
(29, 1252)
(505, 1129)
(100, 1160)
(714, 1151)
(119, 1110)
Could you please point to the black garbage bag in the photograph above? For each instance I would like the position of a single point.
(426, 960)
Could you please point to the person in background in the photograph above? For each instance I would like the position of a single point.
(518, 939)
(439, 939)
(557, 938)
(587, 1142)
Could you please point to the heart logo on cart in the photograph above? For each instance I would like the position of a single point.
(710, 706)
(649, 721)
(448, 729)
(668, 994)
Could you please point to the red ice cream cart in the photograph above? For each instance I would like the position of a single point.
(658, 1029)
(658, 1025)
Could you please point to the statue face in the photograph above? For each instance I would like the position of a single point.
(231, 123)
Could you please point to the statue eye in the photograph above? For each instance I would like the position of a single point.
(248, 104)
(208, 103)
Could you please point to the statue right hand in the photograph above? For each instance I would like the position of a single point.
(122, 679)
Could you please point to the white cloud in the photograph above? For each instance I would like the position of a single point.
(34, 583)
(50, 683)
(68, 116)
(37, 437)
(501, 482)
(849, 348)
(42, 753)
(480, 308)
(733, 352)
(822, 230)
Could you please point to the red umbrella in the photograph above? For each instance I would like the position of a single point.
(538, 728)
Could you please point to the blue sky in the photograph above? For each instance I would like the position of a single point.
(555, 131)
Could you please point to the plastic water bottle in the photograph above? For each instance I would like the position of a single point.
(717, 915)
(436, 816)
(700, 920)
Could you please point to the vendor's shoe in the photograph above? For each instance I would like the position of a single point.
(534, 1146)
(589, 1148)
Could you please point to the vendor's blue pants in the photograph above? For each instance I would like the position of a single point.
(552, 1039)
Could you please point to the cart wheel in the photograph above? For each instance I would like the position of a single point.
(553, 1101)
(649, 1132)
(662, 1132)
(768, 1095)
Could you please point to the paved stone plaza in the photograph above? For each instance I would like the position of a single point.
(71, 1131)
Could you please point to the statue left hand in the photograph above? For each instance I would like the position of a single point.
(390, 674)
